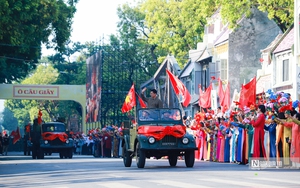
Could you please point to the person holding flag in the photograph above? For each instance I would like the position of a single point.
(153, 101)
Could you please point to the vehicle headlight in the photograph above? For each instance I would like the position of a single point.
(46, 141)
(67, 141)
(151, 140)
(185, 140)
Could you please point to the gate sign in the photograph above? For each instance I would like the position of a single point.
(36, 91)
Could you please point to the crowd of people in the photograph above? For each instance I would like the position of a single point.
(4, 142)
(104, 143)
(268, 130)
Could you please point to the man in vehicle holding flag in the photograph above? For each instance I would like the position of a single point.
(153, 101)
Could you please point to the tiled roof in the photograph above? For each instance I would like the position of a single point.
(286, 43)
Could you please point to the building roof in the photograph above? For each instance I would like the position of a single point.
(286, 43)
(224, 36)
(203, 56)
(273, 43)
(187, 71)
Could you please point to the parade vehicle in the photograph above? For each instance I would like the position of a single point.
(157, 133)
(50, 138)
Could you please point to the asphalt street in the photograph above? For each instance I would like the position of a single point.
(17, 171)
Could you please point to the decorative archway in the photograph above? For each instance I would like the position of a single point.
(47, 92)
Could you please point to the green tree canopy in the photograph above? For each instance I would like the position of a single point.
(26, 110)
(176, 26)
(281, 11)
(24, 27)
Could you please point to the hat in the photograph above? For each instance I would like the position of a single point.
(147, 111)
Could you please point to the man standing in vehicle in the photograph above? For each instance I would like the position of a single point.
(153, 101)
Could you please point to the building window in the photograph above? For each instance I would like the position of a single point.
(223, 69)
(211, 29)
(285, 70)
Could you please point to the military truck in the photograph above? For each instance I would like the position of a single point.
(157, 133)
(50, 138)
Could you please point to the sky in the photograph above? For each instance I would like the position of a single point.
(93, 20)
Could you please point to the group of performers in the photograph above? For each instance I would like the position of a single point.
(268, 130)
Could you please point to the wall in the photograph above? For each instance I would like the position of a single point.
(245, 43)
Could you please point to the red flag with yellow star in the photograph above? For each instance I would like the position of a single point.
(130, 100)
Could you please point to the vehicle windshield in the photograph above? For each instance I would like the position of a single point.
(54, 127)
(159, 115)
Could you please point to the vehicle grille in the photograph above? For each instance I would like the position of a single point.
(56, 141)
(169, 141)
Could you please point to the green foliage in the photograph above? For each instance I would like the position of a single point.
(281, 11)
(10, 122)
(24, 26)
(176, 26)
(134, 40)
(44, 74)
(26, 110)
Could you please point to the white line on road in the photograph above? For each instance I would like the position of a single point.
(176, 184)
(115, 184)
(277, 180)
(238, 183)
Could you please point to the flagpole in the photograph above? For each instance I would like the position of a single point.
(180, 106)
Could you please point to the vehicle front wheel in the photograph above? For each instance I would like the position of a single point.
(189, 158)
(127, 159)
(172, 160)
(140, 156)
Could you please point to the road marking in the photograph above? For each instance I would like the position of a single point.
(177, 184)
(114, 184)
(238, 183)
(277, 180)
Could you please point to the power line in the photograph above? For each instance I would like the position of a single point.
(23, 46)
(17, 59)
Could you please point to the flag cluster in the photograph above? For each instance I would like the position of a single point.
(178, 86)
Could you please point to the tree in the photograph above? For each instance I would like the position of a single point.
(26, 110)
(24, 26)
(281, 11)
(176, 26)
(10, 122)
